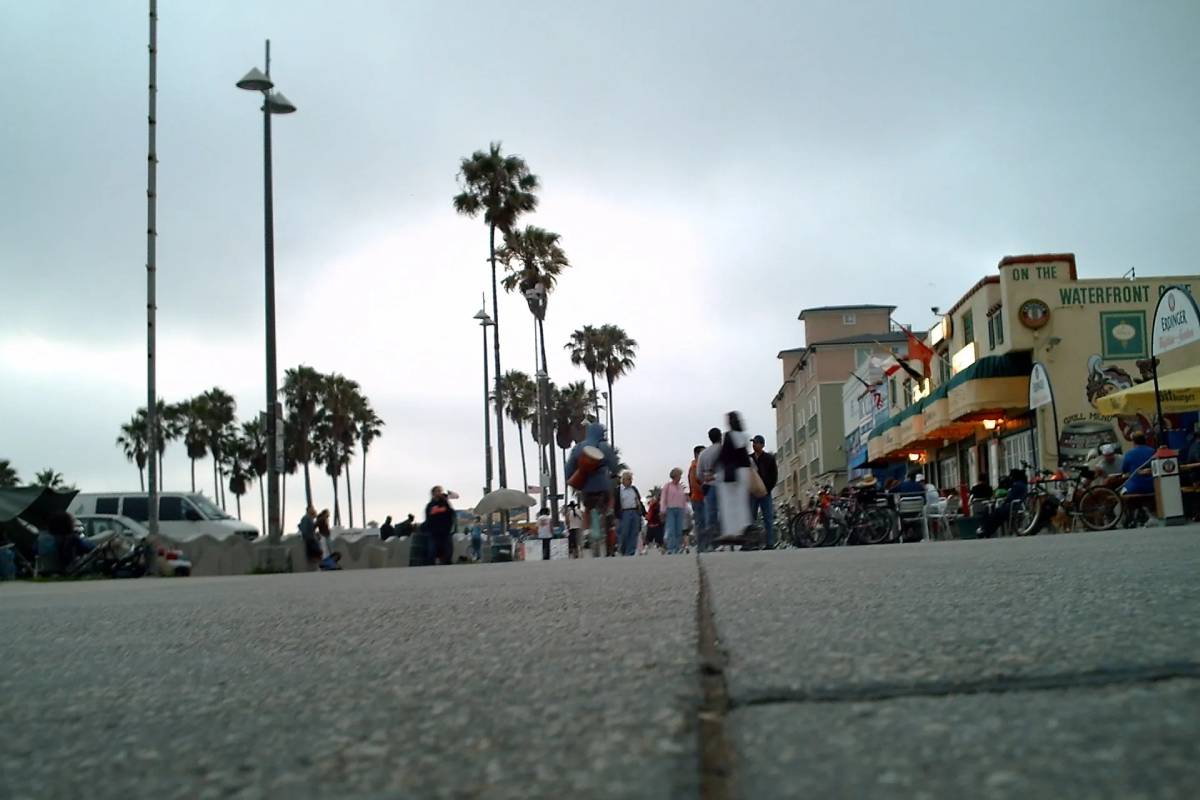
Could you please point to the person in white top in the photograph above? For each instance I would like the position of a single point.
(629, 506)
(545, 532)
(733, 479)
(574, 528)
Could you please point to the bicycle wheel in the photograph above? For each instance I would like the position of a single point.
(1100, 508)
(873, 526)
(1033, 515)
(808, 530)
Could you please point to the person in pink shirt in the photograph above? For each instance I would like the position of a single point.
(672, 501)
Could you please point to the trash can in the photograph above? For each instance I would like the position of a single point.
(966, 527)
(501, 548)
(420, 546)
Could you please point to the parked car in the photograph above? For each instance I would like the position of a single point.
(170, 562)
(181, 515)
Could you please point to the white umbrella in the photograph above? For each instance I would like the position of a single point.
(503, 500)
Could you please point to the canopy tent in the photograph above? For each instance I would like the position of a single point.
(24, 511)
(1179, 391)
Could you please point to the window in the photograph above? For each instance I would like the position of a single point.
(170, 509)
(908, 393)
(996, 327)
(948, 472)
(968, 324)
(136, 508)
(1018, 448)
(943, 369)
(107, 505)
(891, 389)
(849, 319)
(861, 356)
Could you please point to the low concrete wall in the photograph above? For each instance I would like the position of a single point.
(236, 556)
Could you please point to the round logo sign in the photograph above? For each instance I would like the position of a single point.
(1034, 314)
(1169, 466)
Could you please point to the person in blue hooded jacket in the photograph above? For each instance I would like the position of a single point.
(597, 490)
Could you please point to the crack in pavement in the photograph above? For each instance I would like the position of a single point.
(716, 752)
(1000, 684)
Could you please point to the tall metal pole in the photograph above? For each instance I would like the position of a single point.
(487, 416)
(274, 533)
(151, 268)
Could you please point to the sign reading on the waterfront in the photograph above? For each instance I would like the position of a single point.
(1039, 387)
(1176, 321)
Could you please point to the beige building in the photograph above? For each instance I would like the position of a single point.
(809, 418)
(971, 421)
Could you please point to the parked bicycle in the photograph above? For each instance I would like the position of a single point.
(857, 517)
(1080, 498)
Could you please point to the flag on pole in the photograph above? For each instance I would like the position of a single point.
(918, 350)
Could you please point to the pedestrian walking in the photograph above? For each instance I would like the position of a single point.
(673, 501)
(733, 479)
(654, 523)
(597, 486)
(406, 528)
(439, 523)
(628, 502)
(707, 467)
(768, 470)
(574, 529)
(696, 491)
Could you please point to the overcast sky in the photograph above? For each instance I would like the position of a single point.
(712, 167)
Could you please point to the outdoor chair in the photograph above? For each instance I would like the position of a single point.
(942, 516)
(911, 508)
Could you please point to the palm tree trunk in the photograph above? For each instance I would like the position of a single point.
(566, 477)
(262, 503)
(503, 470)
(160, 471)
(362, 487)
(238, 498)
(595, 397)
(612, 436)
(216, 485)
(547, 433)
(141, 479)
(337, 511)
(349, 496)
(307, 487)
(282, 501)
(193, 475)
(524, 471)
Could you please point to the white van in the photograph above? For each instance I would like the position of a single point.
(181, 515)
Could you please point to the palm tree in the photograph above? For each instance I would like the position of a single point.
(502, 188)
(50, 479)
(191, 415)
(617, 354)
(254, 451)
(238, 453)
(342, 402)
(585, 345)
(302, 388)
(327, 452)
(8, 474)
(370, 428)
(517, 394)
(219, 410)
(132, 441)
(167, 420)
(291, 462)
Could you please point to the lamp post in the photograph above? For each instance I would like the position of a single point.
(273, 103)
(485, 322)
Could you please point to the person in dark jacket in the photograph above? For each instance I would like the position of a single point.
(1018, 490)
(768, 470)
(439, 523)
(406, 528)
(386, 531)
(308, 535)
(597, 490)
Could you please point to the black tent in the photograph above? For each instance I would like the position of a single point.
(23, 512)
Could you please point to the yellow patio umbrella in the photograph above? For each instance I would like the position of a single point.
(1180, 391)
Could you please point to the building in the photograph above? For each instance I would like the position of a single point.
(971, 421)
(809, 417)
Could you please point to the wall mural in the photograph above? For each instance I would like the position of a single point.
(1083, 433)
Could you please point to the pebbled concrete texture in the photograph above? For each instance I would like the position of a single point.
(843, 617)
(1117, 742)
(506, 680)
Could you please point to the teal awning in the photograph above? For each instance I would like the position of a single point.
(1009, 365)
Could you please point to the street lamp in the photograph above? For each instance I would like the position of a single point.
(273, 103)
(485, 322)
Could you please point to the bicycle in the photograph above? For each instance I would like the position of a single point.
(1097, 506)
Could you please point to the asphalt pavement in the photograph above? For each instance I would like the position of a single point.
(1055, 666)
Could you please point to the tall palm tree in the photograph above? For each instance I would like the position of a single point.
(585, 346)
(302, 389)
(327, 452)
(502, 188)
(254, 450)
(617, 355)
(291, 463)
(191, 414)
(8, 474)
(370, 428)
(49, 478)
(167, 421)
(517, 394)
(132, 441)
(220, 411)
(342, 402)
(237, 455)
(534, 259)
